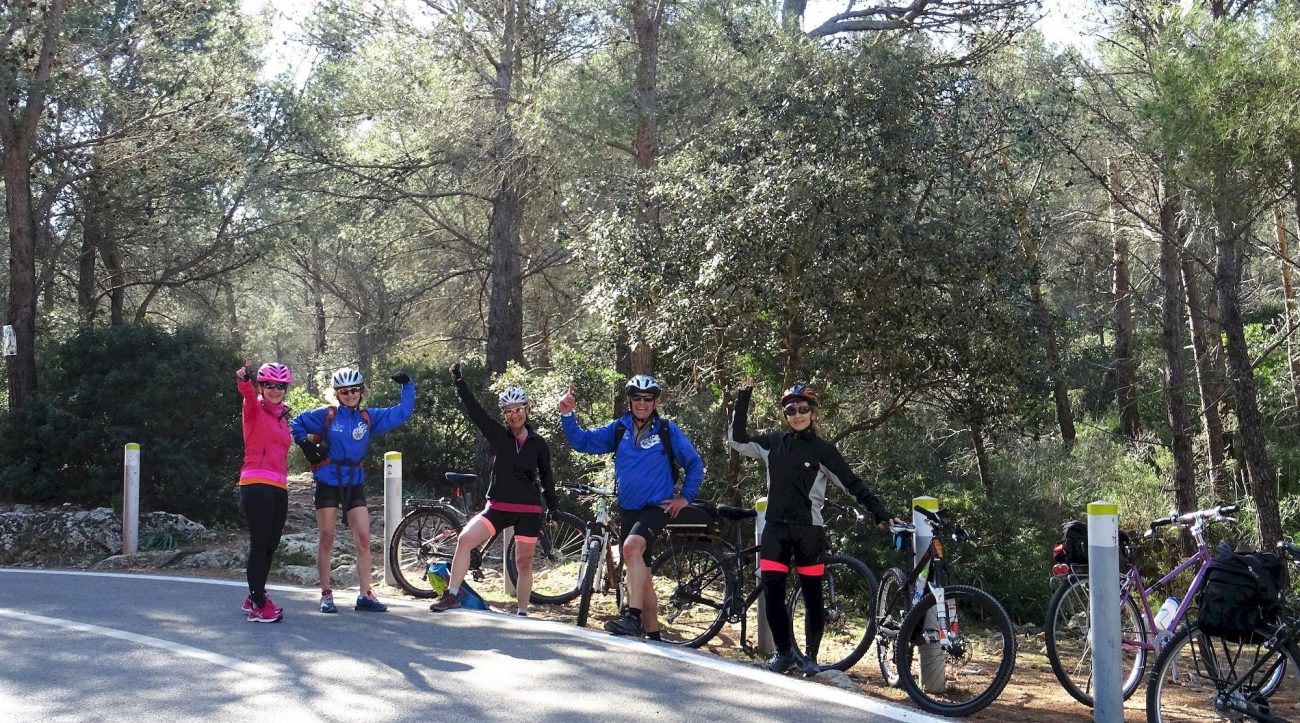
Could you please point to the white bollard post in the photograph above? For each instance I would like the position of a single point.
(392, 508)
(765, 643)
(131, 499)
(929, 654)
(1104, 607)
(508, 585)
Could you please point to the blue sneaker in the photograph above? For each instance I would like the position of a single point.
(370, 603)
(327, 603)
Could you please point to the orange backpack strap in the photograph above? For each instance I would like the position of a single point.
(323, 438)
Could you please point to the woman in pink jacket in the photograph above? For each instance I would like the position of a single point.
(262, 485)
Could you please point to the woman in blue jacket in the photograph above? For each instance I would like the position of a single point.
(342, 437)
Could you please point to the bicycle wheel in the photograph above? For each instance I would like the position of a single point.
(1069, 649)
(892, 601)
(849, 598)
(693, 588)
(591, 560)
(424, 535)
(557, 560)
(1199, 677)
(974, 667)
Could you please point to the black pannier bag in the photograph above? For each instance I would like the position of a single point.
(1073, 547)
(1240, 594)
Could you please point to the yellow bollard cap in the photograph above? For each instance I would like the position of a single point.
(926, 503)
(760, 504)
(392, 456)
(132, 447)
(1103, 508)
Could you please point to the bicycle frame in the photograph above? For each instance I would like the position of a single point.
(601, 528)
(1133, 581)
(476, 555)
(929, 574)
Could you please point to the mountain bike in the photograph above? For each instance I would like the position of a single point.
(1069, 623)
(1203, 677)
(428, 532)
(950, 647)
(705, 583)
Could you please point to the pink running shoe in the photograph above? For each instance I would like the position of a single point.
(268, 613)
(248, 605)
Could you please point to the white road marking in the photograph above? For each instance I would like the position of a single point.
(808, 688)
(204, 655)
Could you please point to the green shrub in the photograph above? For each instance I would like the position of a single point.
(171, 392)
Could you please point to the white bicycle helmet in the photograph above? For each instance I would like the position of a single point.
(642, 383)
(512, 395)
(347, 377)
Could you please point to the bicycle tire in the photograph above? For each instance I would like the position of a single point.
(591, 559)
(557, 561)
(425, 535)
(1065, 631)
(892, 601)
(1198, 677)
(988, 629)
(849, 591)
(694, 590)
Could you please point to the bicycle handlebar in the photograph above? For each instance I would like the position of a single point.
(585, 489)
(942, 526)
(1222, 513)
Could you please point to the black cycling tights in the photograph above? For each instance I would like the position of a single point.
(778, 618)
(265, 508)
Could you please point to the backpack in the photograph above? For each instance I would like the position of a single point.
(1072, 550)
(665, 440)
(322, 439)
(470, 599)
(1241, 592)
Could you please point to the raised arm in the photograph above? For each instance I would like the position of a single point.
(475, 411)
(387, 418)
(737, 435)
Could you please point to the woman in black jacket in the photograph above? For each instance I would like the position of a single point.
(799, 464)
(521, 477)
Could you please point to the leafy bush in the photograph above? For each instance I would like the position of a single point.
(171, 392)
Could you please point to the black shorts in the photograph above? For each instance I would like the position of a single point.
(646, 522)
(528, 525)
(783, 541)
(350, 497)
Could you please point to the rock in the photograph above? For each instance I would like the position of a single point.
(299, 574)
(150, 559)
(219, 557)
(182, 529)
(837, 679)
(58, 536)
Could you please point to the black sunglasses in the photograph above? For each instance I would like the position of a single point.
(641, 397)
(349, 390)
(275, 385)
(792, 410)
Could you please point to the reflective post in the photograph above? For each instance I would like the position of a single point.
(392, 507)
(765, 643)
(930, 654)
(1104, 608)
(131, 499)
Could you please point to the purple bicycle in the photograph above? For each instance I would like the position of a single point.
(1143, 631)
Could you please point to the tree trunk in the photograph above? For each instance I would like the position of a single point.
(22, 263)
(232, 314)
(1210, 385)
(1260, 478)
(505, 316)
(982, 459)
(92, 233)
(1171, 326)
(1125, 364)
(792, 12)
(1289, 305)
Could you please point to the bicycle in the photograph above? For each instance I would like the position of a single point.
(1069, 622)
(703, 587)
(600, 540)
(428, 532)
(1201, 677)
(950, 647)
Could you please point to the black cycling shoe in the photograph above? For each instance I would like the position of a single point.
(626, 624)
(809, 667)
(781, 662)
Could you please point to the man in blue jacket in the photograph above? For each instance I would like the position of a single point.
(647, 488)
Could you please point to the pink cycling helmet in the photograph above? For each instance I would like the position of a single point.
(272, 372)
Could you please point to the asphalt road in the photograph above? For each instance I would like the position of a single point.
(78, 646)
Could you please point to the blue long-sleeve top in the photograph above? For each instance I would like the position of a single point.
(349, 435)
(641, 469)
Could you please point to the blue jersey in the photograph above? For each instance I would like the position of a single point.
(349, 435)
(641, 469)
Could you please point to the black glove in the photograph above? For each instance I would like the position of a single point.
(312, 451)
(401, 378)
(455, 373)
